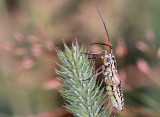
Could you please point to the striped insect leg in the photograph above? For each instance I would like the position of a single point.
(96, 73)
(116, 96)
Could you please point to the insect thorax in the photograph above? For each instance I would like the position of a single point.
(110, 61)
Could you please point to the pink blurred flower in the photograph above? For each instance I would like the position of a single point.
(142, 46)
(20, 38)
(27, 63)
(7, 46)
(20, 51)
(36, 49)
(143, 67)
(150, 35)
(32, 39)
(52, 84)
(49, 45)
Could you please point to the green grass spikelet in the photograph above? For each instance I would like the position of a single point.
(84, 96)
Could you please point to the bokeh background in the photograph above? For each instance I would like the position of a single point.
(31, 29)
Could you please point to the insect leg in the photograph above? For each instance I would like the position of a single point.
(93, 57)
(111, 83)
(103, 44)
(93, 76)
(99, 68)
(96, 73)
(111, 47)
(97, 53)
(118, 77)
(94, 53)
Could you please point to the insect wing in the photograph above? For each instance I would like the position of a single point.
(116, 99)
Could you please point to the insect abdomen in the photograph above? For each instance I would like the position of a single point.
(117, 99)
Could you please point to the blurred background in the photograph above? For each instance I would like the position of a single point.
(31, 29)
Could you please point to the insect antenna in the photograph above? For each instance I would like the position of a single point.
(103, 23)
(111, 48)
(103, 44)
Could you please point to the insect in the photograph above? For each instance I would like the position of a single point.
(109, 70)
